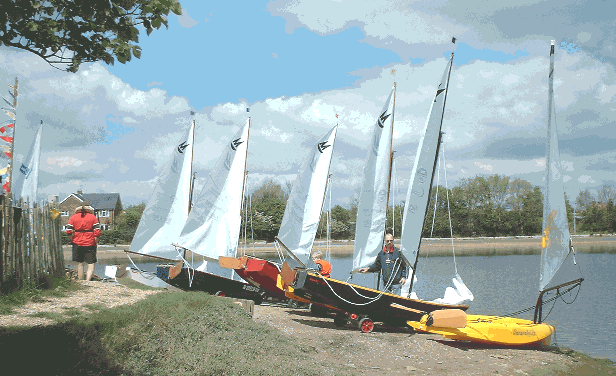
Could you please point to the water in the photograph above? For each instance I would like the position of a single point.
(506, 284)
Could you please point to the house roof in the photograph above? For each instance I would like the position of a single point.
(104, 201)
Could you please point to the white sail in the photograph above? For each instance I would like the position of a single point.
(303, 210)
(26, 177)
(420, 183)
(371, 211)
(213, 226)
(168, 207)
(556, 238)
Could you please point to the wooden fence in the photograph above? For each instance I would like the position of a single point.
(30, 245)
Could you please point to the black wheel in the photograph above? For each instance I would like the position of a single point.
(366, 325)
(258, 300)
(317, 310)
(340, 319)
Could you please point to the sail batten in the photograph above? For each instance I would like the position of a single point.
(555, 241)
(167, 210)
(371, 211)
(303, 211)
(26, 177)
(213, 225)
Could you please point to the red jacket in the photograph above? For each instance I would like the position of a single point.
(324, 268)
(86, 228)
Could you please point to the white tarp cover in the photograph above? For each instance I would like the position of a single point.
(555, 240)
(303, 211)
(167, 210)
(371, 211)
(421, 175)
(213, 226)
(26, 176)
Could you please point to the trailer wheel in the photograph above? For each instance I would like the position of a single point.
(221, 294)
(340, 319)
(366, 325)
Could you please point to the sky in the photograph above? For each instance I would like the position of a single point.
(298, 63)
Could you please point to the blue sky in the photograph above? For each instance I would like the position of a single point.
(298, 63)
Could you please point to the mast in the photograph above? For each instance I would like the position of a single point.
(391, 150)
(243, 185)
(438, 144)
(192, 181)
(10, 169)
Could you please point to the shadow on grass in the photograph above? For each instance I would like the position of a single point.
(65, 348)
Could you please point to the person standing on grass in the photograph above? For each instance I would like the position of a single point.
(392, 264)
(84, 230)
(323, 267)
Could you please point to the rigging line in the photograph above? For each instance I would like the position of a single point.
(544, 302)
(453, 250)
(393, 199)
(143, 273)
(188, 267)
(252, 230)
(372, 300)
(397, 265)
(329, 213)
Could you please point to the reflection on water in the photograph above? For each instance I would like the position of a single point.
(507, 284)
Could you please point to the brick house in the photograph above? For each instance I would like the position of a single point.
(107, 207)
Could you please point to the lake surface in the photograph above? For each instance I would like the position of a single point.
(507, 284)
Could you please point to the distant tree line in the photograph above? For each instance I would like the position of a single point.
(480, 206)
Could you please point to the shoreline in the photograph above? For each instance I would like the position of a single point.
(502, 246)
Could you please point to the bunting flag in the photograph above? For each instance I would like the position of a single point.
(6, 138)
(4, 171)
(6, 150)
(10, 114)
(7, 186)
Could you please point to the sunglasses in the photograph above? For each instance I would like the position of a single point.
(388, 241)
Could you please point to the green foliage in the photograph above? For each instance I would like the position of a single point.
(125, 227)
(71, 32)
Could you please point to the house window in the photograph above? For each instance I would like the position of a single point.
(103, 213)
(64, 214)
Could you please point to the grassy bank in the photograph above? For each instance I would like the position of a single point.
(167, 333)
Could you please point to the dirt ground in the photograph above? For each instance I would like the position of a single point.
(389, 350)
(435, 247)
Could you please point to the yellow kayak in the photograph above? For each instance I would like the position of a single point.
(496, 330)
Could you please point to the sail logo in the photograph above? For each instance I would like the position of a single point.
(25, 170)
(322, 146)
(182, 147)
(235, 143)
(438, 92)
(382, 119)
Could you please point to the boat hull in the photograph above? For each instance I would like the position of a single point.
(493, 330)
(261, 273)
(362, 301)
(210, 283)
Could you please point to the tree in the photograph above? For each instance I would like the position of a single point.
(606, 193)
(71, 32)
(583, 199)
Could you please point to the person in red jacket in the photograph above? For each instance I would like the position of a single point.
(84, 230)
(323, 267)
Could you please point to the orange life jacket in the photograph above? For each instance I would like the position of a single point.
(325, 268)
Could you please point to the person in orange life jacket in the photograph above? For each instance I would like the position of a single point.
(392, 264)
(323, 267)
(84, 230)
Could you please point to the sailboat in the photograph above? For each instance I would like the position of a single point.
(299, 222)
(26, 180)
(556, 247)
(212, 227)
(361, 304)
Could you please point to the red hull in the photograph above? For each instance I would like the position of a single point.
(258, 272)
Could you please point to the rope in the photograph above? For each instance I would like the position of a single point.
(544, 302)
(397, 265)
(142, 272)
(252, 231)
(438, 180)
(453, 250)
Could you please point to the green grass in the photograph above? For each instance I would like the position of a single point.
(47, 288)
(186, 333)
(583, 365)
